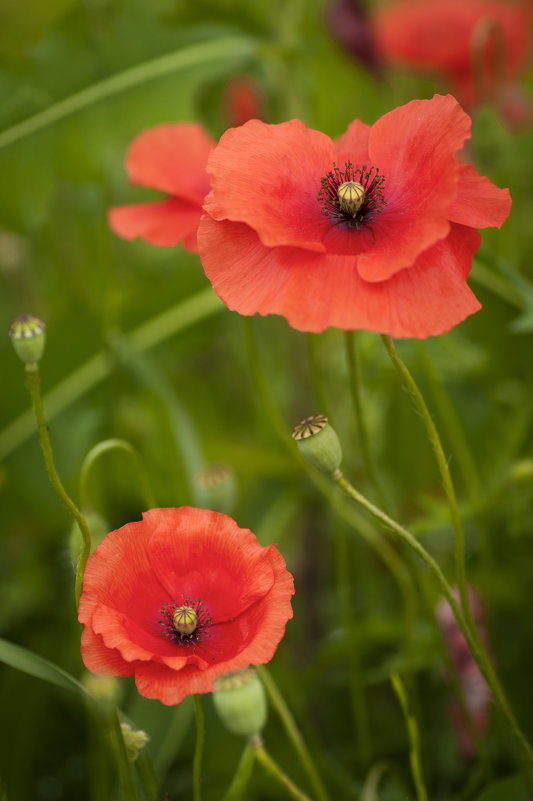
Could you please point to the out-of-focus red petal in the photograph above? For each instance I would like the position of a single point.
(479, 203)
(437, 35)
(172, 158)
(201, 555)
(269, 177)
(353, 145)
(166, 223)
(414, 147)
(315, 291)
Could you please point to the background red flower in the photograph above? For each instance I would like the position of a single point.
(172, 158)
(437, 37)
(271, 243)
(144, 571)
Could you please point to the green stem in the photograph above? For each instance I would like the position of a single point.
(125, 772)
(355, 680)
(478, 651)
(474, 640)
(264, 759)
(354, 380)
(33, 382)
(242, 776)
(234, 47)
(99, 450)
(431, 430)
(199, 749)
(293, 733)
(415, 756)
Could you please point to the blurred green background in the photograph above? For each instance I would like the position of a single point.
(182, 393)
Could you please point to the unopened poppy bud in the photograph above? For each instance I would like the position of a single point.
(240, 701)
(351, 197)
(134, 740)
(216, 488)
(318, 443)
(28, 336)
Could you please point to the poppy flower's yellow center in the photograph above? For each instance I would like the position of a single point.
(185, 620)
(351, 197)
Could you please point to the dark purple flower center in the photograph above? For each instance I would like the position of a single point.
(352, 197)
(186, 623)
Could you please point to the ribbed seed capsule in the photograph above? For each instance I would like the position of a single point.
(351, 197)
(185, 620)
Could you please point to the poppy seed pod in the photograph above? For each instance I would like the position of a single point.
(240, 701)
(318, 443)
(28, 336)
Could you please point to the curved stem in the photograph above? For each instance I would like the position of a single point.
(317, 374)
(199, 749)
(242, 776)
(105, 446)
(421, 407)
(33, 382)
(233, 47)
(293, 732)
(478, 651)
(264, 758)
(414, 738)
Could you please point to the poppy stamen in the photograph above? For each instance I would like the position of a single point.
(186, 623)
(352, 197)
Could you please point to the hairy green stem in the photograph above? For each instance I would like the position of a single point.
(478, 652)
(105, 446)
(33, 382)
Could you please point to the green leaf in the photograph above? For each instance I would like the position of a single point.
(28, 662)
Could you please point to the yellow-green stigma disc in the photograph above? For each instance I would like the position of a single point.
(185, 620)
(351, 197)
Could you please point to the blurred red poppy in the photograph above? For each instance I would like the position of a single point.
(180, 598)
(171, 158)
(375, 231)
(447, 36)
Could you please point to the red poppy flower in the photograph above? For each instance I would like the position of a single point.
(171, 158)
(374, 231)
(438, 37)
(180, 598)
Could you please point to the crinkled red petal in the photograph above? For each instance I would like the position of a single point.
(166, 223)
(269, 177)
(479, 203)
(315, 291)
(414, 147)
(173, 158)
(203, 555)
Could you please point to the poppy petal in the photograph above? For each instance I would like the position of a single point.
(172, 158)
(414, 147)
(315, 291)
(269, 176)
(100, 659)
(165, 224)
(478, 202)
